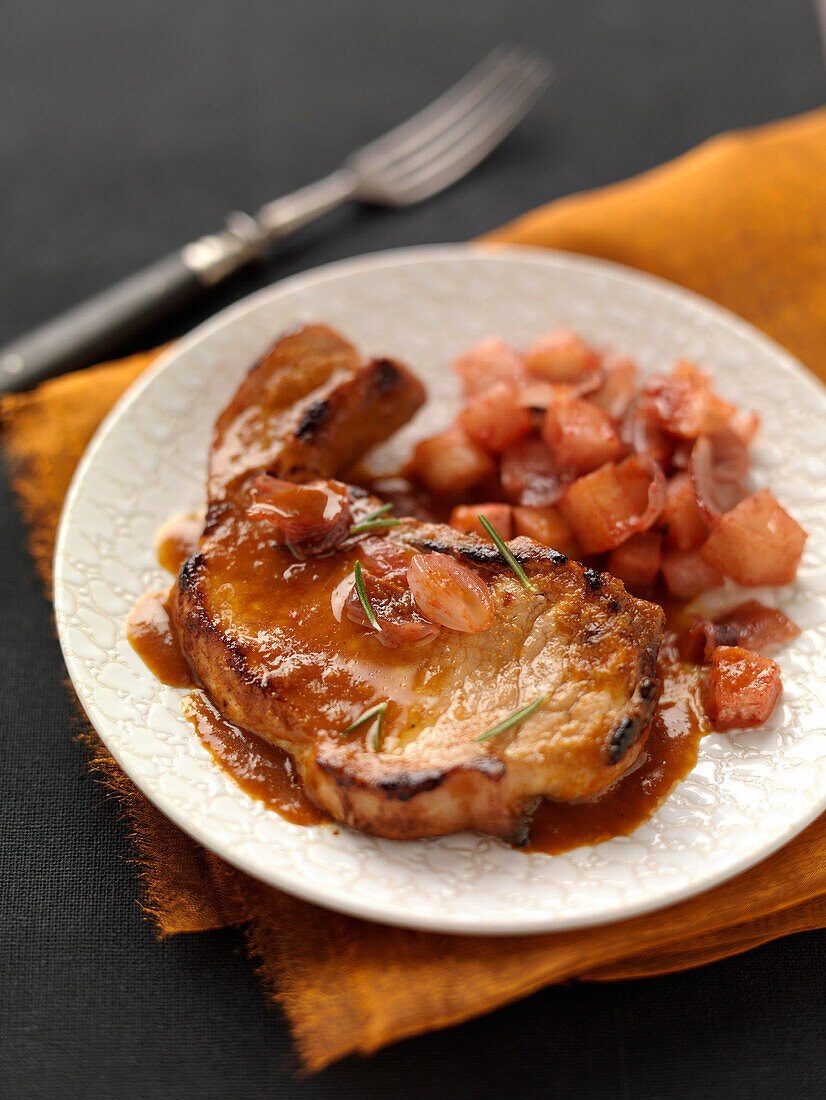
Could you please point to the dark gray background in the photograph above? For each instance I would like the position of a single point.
(127, 129)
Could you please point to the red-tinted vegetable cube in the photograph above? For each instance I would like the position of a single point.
(756, 543)
(741, 688)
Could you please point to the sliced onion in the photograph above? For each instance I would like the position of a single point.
(642, 432)
(449, 593)
(643, 482)
(309, 519)
(717, 467)
(750, 624)
(616, 392)
(400, 622)
(529, 474)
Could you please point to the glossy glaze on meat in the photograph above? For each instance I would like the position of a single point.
(267, 638)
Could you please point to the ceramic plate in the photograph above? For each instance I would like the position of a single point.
(749, 792)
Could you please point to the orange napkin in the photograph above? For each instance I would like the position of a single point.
(742, 220)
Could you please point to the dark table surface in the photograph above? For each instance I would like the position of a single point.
(126, 129)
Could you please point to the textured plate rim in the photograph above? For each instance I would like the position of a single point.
(329, 897)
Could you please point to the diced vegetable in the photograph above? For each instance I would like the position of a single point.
(643, 481)
(451, 462)
(597, 507)
(718, 466)
(537, 396)
(616, 393)
(642, 432)
(756, 543)
(496, 418)
(557, 421)
(449, 593)
(548, 526)
(741, 688)
(561, 356)
(744, 424)
(685, 403)
(750, 624)
(487, 363)
(614, 502)
(687, 527)
(399, 620)
(686, 574)
(580, 436)
(637, 560)
(465, 517)
(385, 559)
(309, 519)
(529, 474)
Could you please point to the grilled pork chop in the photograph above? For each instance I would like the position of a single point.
(268, 639)
(310, 407)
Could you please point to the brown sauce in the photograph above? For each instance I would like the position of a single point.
(267, 772)
(669, 755)
(262, 770)
(152, 636)
(177, 539)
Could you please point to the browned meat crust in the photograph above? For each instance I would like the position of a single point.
(266, 638)
(277, 662)
(308, 409)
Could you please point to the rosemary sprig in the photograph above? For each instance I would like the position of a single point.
(375, 733)
(362, 595)
(374, 521)
(514, 719)
(373, 525)
(374, 712)
(385, 508)
(506, 554)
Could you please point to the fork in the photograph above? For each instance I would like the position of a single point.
(414, 161)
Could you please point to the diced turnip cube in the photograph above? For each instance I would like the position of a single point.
(465, 517)
(756, 543)
(637, 560)
(496, 418)
(596, 506)
(487, 363)
(741, 688)
(560, 356)
(580, 436)
(686, 574)
(687, 529)
(451, 462)
(548, 526)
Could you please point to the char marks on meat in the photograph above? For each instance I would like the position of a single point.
(269, 639)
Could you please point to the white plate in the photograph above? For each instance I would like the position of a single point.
(748, 794)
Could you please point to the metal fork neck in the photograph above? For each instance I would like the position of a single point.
(291, 212)
(247, 238)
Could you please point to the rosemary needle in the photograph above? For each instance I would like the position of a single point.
(385, 508)
(376, 734)
(373, 525)
(374, 712)
(507, 554)
(514, 719)
(362, 595)
(375, 520)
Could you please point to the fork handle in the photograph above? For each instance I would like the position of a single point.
(98, 326)
(95, 327)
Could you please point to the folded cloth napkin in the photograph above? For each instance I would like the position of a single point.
(742, 220)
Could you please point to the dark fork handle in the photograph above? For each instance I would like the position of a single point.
(101, 324)
(96, 327)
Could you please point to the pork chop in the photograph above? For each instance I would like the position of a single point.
(268, 640)
(308, 408)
